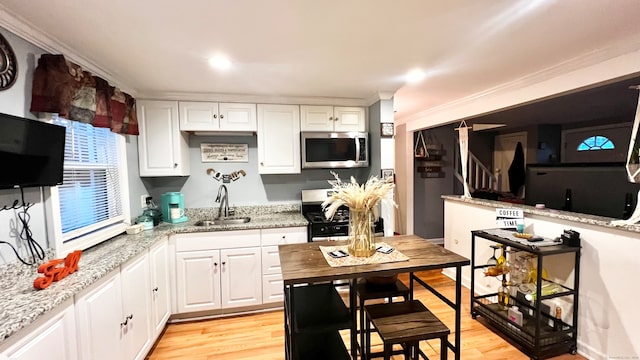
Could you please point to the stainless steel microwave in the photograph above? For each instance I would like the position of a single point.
(335, 150)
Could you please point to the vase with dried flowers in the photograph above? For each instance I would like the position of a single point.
(362, 201)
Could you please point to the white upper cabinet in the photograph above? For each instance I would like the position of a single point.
(278, 139)
(213, 116)
(162, 149)
(332, 118)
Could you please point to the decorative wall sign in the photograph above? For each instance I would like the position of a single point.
(386, 129)
(8, 64)
(224, 152)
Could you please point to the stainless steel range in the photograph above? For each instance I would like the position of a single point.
(321, 228)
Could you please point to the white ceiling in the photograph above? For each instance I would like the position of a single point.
(348, 50)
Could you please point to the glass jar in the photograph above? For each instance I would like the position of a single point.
(146, 221)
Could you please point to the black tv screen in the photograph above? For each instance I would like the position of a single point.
(31, 152)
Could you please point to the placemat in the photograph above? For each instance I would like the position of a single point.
(377, 258)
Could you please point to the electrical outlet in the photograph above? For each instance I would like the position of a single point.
(143, 200)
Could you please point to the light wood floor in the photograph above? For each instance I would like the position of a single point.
(261, 336)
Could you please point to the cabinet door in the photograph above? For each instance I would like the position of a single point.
(241, 277)
(278, 139)
(99, 318)
(349, 119)
(198, 116)
(160, 303)
(162, 149)
(238, 117)
(316, 118)
(272, 288)
(136, 305)
(198, 280)
(56, 338)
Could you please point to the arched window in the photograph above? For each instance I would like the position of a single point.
(597, 142)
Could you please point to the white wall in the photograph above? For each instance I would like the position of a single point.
(608, 319)
(16, 101)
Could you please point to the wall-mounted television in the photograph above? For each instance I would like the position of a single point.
(31, 152)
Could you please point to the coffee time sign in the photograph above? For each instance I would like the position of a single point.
(509, 218)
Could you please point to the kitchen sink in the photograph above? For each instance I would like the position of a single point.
(224, 221)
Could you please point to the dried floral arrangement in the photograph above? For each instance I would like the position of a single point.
(358, 197)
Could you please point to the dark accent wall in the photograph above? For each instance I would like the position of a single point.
(428, 215)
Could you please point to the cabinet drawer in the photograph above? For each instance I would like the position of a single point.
(217, 240)
(278, 236)
(270, 260)
(272, 288)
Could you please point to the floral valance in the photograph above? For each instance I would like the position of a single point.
(62, 87)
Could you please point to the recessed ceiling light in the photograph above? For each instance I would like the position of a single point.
(220, 62)
(415, 75)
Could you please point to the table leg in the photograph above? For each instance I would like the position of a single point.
(458, 309)
(288, 346)
(354, 323)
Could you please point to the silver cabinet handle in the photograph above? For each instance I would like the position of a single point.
(175, 165)
(155, 289)
(221, 116)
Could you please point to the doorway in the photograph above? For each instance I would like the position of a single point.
(504, 148)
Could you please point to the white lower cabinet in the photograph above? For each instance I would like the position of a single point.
(198, 280)
(160, 286)
(113, 318)
(54, 338)
(218, 270)
(272, 286)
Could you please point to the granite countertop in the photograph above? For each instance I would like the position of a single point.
(22, 304)
(551, 213)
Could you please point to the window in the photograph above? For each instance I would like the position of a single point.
(597, 142)
(91, 205)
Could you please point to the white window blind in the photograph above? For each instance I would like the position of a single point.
(91, 197)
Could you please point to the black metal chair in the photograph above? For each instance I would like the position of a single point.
(406, 323)
(367, 290)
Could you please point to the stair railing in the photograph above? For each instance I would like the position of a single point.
(478, 175)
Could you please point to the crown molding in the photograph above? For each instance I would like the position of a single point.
(258, 99)
(572, 70)
(31, 33)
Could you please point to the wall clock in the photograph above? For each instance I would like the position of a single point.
(8, 64)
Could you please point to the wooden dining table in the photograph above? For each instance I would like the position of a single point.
(305, 264)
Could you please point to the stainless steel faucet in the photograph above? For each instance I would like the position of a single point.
(223, 199)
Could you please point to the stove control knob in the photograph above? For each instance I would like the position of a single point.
(337, 227)
(322, 229)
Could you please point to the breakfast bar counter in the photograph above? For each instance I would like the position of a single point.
(305, 263)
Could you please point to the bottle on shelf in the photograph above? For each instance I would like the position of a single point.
(502, 259)
(568, 201)
(557, 324)
(503, 294)
(628, 209)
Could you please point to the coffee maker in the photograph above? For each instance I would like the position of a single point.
(173, 207)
